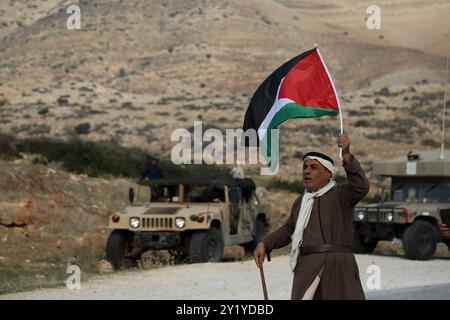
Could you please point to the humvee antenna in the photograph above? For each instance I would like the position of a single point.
(443, 118)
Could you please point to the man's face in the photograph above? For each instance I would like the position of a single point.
(153, 162)
(315, 175)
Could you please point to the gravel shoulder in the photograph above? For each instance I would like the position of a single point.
(238, 280)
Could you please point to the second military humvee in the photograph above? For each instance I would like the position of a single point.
(420, 191)
(192, 217)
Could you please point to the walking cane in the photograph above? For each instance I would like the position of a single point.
(263, 280)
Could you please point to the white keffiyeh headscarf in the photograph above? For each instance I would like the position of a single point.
(306, 208)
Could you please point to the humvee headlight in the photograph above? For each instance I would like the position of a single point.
(134, 222)
(198, 217)
(180, 222)
(389, 217)
(361, 215)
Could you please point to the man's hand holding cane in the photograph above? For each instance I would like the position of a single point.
(259, 254)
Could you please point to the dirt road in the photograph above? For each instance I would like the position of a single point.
(238, 280)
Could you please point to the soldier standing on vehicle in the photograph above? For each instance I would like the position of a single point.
(320, 229)
(153, 172)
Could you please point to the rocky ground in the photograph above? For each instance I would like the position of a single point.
(49, 218)
(240, 280)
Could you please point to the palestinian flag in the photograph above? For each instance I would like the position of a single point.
(300, 88)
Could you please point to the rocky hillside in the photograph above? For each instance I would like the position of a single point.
(50, 218)
(137, 69)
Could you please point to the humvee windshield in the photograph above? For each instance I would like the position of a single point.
(192, 193)
(165, 194)
(200, 189)
(204, 193)
(424, 191)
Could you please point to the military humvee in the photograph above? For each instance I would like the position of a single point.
(420, 190)
(193, 218)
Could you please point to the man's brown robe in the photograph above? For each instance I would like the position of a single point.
(332, 224)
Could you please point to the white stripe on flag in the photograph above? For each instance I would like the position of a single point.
(277, 105)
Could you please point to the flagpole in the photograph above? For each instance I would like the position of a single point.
(337, 97)
(342, 126)
(443, 116)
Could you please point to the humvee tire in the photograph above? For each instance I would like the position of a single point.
(260, 226)
(360, 244)
(206, 246)
(118, 246)
(420, 240)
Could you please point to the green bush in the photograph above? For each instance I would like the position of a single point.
(3, 102)
(105, 158)
(43, 111)
(362, 123)
(430, 143)
(83, 128)
(7, 150)
(292, 186)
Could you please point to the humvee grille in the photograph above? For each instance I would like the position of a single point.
(157, 222)
(376, 215)
(385, 215)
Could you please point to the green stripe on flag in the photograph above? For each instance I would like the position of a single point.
(291, 111)
(294, 110)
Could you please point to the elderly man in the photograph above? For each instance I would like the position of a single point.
(320, 229)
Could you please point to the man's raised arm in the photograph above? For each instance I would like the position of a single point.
(357, 185)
